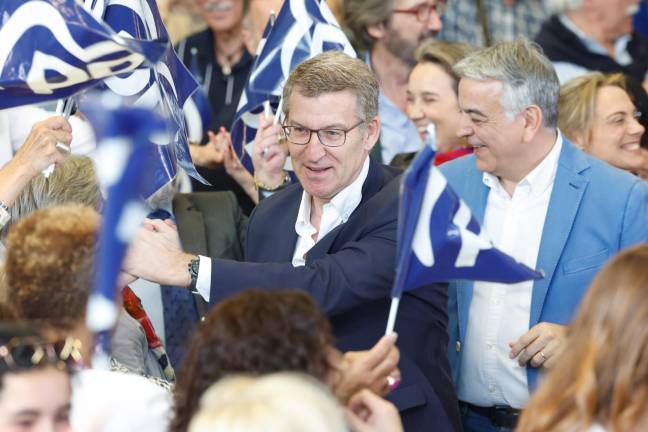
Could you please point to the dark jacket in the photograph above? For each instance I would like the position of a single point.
(350, 273)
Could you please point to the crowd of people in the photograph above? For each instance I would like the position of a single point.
(259, 302)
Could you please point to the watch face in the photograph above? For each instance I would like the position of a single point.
(195, 264)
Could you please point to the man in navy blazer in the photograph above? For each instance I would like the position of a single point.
(544, 202)
(332, 235)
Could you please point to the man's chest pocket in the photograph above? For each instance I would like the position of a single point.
(583, 263)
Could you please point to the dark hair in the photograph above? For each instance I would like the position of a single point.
(255, 332)
(10, 331)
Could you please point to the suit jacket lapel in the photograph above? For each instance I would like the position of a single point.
(476, 197)
(373, 183)
(568, 189)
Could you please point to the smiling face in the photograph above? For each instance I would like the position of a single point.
(431, 99)
(496, 137)
(221, 15)
(325, 171)
(615, 133)
(35, 400)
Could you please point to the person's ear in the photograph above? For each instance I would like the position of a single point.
(377, 31)
(533, 118)
(372, 133)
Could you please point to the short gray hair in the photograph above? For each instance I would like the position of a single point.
(330, 72)
(527, 76)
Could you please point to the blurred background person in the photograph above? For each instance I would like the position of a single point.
(35, 388)
(597, 114)
(484, 22)
(601, 382)
(432, 99)
(258, 332)
(219, 60)
(387, 34)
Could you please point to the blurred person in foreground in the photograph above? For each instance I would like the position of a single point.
(287, 402)
(333, 235)
(597, 114)
(35, 387)
(545, 203)
(601, 382)
(257, 333)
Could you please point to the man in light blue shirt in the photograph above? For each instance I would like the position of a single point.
(390, 32)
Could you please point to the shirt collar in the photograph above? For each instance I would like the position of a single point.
(344, 202)
(620, 45)
(540, 178)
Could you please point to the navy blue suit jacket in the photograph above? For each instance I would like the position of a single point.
(350, 272)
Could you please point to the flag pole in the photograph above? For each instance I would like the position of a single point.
(393, 311)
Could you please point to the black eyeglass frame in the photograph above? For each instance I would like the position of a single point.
(287, 129)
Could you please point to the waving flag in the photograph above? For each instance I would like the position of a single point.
(52, 49)
(165, 87)
(439, 240)
(125, 156)
(303, 29)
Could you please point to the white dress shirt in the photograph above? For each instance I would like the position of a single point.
(335, 212)
(500, 313)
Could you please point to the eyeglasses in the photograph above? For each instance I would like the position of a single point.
(424, 10)
(332, 137)
(29, 352)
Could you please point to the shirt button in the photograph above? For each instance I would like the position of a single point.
(491, 388)
(458, 346)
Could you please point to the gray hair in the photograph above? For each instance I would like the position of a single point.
(527, 76)
(330, 72)
(73, 181)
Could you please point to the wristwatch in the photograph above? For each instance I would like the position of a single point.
(193, 267)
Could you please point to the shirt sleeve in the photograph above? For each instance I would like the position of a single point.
(203, 284)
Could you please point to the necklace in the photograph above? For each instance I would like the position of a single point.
(228, 60)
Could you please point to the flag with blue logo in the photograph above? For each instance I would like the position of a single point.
(125, 155)
(439, 239)
(165, 87)
(303, 29)
(52, 49)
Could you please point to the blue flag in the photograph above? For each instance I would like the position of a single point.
(125, 154)
(52, 49)
(165, 87)
(439, 239)
(303, 29)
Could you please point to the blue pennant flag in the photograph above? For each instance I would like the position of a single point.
(165, 87)
(197, 110)
(125, 155)
(303, 29)
(438, 238)
(52, 49)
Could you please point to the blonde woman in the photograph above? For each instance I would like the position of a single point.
(597, 114)
(601, 383)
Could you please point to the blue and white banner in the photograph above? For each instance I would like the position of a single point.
(303, 29)
(125, 156)
(165, 87)
(439, 239)
(52, 49)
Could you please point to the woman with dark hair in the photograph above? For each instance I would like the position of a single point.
(258, 332)
(601, 382)
(35, 388)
